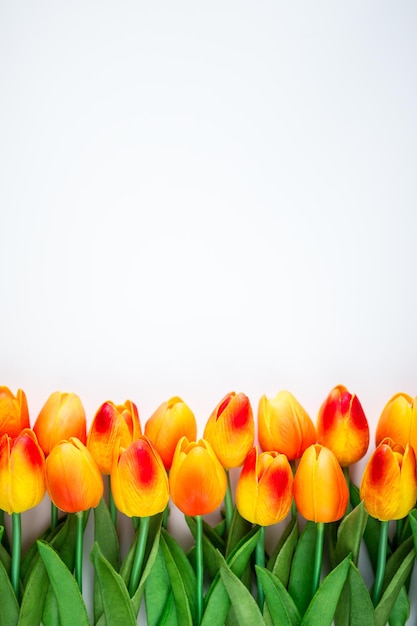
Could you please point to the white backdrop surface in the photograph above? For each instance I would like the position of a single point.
(204, 197)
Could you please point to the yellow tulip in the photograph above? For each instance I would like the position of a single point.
(61, 417)
(14, 414)
(398, 421)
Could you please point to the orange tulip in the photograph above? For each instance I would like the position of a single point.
(320, 489)
(284, 426)
(73, 479)
(112, 425)
(389, 482)
(264, 488)
(230, 429)
(398, 421)
(14, 414)
(139, 481)
(22, 472)
(171, 421)
(197, 479)
(342, 426)
(61, 417)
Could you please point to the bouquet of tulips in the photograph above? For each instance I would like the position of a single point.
(297, 481)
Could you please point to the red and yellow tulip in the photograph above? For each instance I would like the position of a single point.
(398, 421)
(171, 421)
(22, 472)
(61, 417)
(139, 481)
(14, 414)
(284, 426)
(113, 425)
(73, 479)
(197, 479)
(342, 426)
(230, 429)
(320, 489)
(389, 481)
(264, 488)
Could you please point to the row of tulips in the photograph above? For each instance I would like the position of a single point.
(300, 474)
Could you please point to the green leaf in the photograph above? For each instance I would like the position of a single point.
(300, 583)
(390, 594)
(322, 608)
(178, 587)
(244, 605)
(160, 607)
(412, 516)
(281, 559)
(105, 535)
(187, 572)
(401, 610)
(280, 609)
(150, 556)
(70, 601)
(355, 606)
(217, 599)
(9, 614)
(372, 528)
(239, 528)
(350, 533)
(5, 558)
(115, 599)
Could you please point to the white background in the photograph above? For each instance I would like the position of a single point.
(204, 197)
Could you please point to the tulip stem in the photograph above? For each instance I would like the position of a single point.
(112, 506)
(16, 551)
(139, 555)
(54, 516)
(382, 559)
(228, 502)
(199, 566)
(79, 549)
(260, 561)
(318, 556)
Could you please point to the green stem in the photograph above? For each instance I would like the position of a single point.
(346, 474)
(318, 556)
(260, 561)
(139, 555)
(228, 502)
(16, 551)
(54, 516)
(79, 549)
(112, 506)
(293, 505)
(382, 559)
(199, 566)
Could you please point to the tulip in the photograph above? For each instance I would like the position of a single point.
(389, 491)
(342, 426)
(139, 481)
(264, 488)
(230, 429)
(284, 426)
(197, 479)
(14, 414)
(73, 479)
(320, 489)
(389, 481)
(61, 417)
(171, 421)
(112, 425)
(398, 421)
(22, 472)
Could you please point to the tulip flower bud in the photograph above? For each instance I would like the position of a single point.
(61, 417)
(389, 481)
(139, 482)
(197, 479)
(264, 488)
(284, 426)
(14, 414)
(230, 429)
(73, 479)
(343, 427)
(398, 421)
(112, 425)
(320, 489)
(22, 472)
(171, 421)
